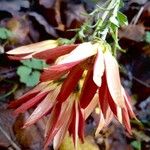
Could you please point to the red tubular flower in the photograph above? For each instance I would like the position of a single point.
(94, 64)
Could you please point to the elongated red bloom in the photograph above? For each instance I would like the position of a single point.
(88, 77)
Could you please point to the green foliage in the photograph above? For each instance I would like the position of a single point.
(136, 145)
(147, 37)
(122, 19)
(103, 23)
(34, 63)
(29, 71)
(117, 20)
(4, 33)
(63, 41)
(114, 21)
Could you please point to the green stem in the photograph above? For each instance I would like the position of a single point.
(10, 92)
(104, 16)
(107, 15)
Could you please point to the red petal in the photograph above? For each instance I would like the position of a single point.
(61, 134)
(23, 99)
(30, 94)
(71, 128)
(18, 57)
(90, 108)
(128, 104)
(81, 125)
(111, 103)
(55, 52)
(42, 108)
(119, 114)
(88, 90)
(126, 120)
(98, 68)
(32, 102)
(51, 124)
(70, 83)
(113, 79)
(103, 98)
(56, 71)
(80, 53)
(115, 109)
(35, 47)
(74, 126)
(109, 116)
(65, 112)
(101, 124)
(63, 130)
(59, 137)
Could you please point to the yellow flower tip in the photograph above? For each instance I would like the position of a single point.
(97, 111)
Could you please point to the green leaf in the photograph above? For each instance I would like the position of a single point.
(29, 72)
(147, 37)
(23, 70)
(5, 33)
(34, 63)
(113, 30)
(33, 78)
(114, 20)
(114, 33)
(136, 145)
(121, 5)
(119, 48)
(63, 41)
(122, 19)
(23, 73)
(28, 76)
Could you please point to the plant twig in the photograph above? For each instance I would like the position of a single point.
(141, 82)
(136, 18)
(9, 139)
(10, 92)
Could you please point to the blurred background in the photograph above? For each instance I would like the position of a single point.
(24, 22)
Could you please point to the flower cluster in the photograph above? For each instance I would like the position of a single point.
(67, 102)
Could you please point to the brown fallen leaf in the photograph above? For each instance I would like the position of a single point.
(20, 29)
(14, 5)
(146, 50)
(58, 15)
(47, 3)
(7, 137)
(28, 138)
(74, 12)
(41, 20)
(140, 2)
(133, 32)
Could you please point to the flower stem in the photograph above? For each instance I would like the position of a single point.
(112, 9)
